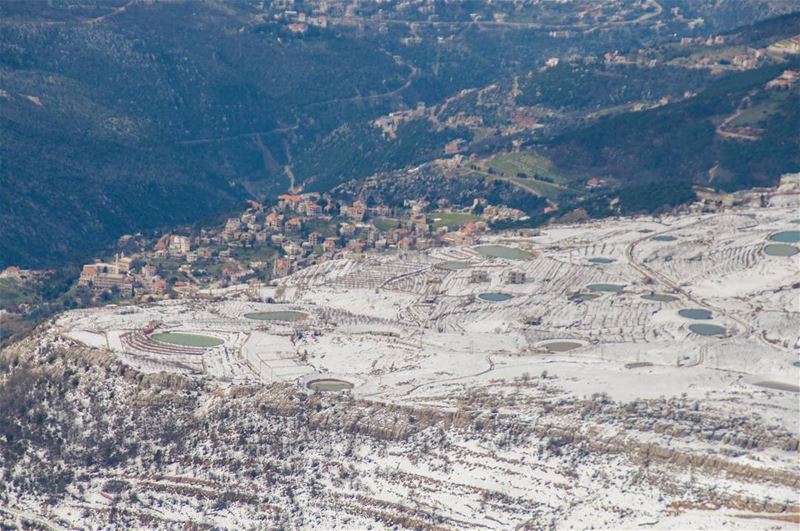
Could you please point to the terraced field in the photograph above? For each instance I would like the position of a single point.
(617, 335)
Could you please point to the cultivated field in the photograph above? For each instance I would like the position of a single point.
(583, 394)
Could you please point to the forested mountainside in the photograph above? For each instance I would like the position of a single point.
(687, 139)
(118, 116)
(158, 115)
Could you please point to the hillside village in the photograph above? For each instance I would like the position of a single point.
(264, 243)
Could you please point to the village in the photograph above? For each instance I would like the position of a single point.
(265, 243)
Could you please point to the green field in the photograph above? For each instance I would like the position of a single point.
(538, 187)
(752, 116)
(262, 252)
(279, 315)
(507, 165)
(385, 224)
(167, 264)
(187, 340)
(528, 163)
(325, 227)
(718, 53)
(451, 219)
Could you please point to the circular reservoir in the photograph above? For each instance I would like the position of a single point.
(561, 346)
(704, 329)
(601, 260)
(695, 313)
(502, 251)
(787, 236)
(453, 265)
(187, 340)
(280, 315)
(780, 249)
(329, 385)
(665, 238)
(612, 288)
(495, 297)
(659, 297)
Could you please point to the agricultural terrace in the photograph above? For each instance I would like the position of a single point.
(600, 306)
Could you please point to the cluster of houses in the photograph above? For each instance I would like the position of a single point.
(16, 273)
(297, 21)
(270, 242)
(785, 81)
(119, 278)
(352, 229)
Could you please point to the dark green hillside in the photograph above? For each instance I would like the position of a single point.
(769, 30)
(158, 115)
(74, 197)
(587, 86)
(357, 151)
(679, 141)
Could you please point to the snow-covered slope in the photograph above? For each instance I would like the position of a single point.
(579, 401)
